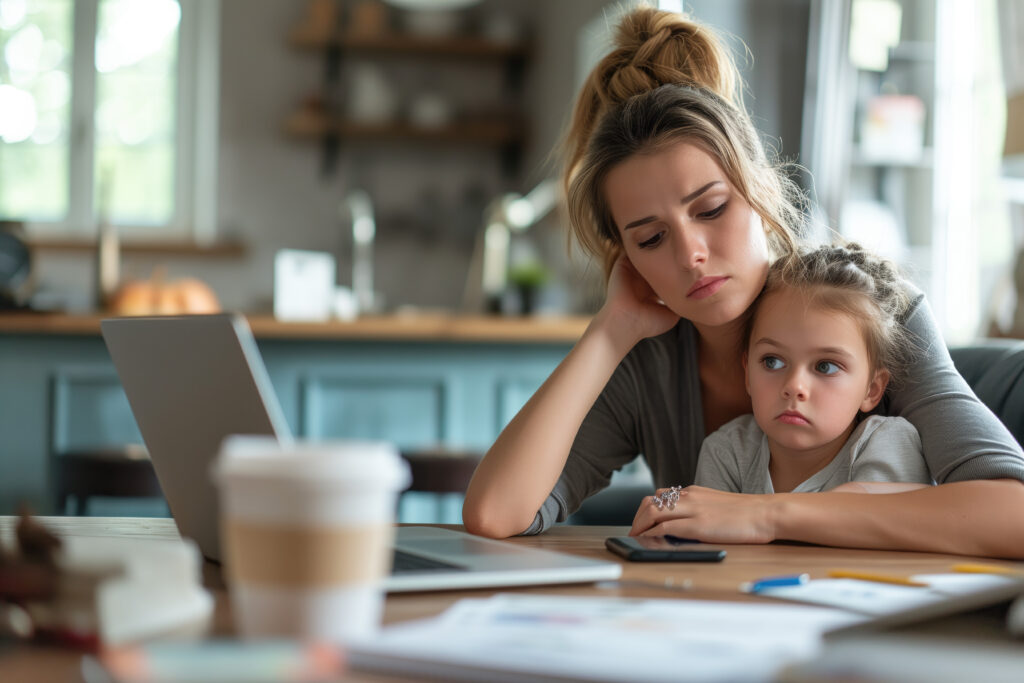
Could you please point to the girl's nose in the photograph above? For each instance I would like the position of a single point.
(795, 386)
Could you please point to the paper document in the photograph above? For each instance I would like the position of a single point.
(512, 637)
(877, 599)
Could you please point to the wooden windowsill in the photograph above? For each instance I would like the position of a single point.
(220, 249)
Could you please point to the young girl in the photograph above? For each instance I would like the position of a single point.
(822, 343)
(669, 187)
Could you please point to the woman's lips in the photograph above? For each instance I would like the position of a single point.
(792, 417)
(706, 286)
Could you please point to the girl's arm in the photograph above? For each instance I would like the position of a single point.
(981, 517)
(521, 468)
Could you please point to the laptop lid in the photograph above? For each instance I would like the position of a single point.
(193, 380)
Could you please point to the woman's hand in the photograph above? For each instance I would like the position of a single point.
(710, 516)
(633, 305)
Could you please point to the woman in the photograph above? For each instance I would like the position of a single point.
(668, 185)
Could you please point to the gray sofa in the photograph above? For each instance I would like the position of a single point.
(994, 369)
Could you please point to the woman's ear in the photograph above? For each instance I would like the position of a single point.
(876, 387)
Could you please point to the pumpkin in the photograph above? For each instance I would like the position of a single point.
(158, 296)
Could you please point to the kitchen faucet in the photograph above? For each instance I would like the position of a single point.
(508, 214)
(359, 208)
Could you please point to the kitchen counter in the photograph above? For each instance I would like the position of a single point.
(420, 381)
(432, 327)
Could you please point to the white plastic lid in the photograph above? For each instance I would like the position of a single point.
(357, 463)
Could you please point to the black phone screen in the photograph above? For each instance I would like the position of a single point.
(662, 549)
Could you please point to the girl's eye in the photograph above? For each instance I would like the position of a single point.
(772, 363)
(826, 367)
(713, 213)
(650, 241)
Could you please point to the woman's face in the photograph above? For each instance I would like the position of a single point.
(689, 233)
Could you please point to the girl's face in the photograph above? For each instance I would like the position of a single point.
(808, 373)
(689, 233)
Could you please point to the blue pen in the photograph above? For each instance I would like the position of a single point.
(775, 582)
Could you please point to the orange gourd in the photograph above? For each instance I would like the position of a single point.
(159, 296)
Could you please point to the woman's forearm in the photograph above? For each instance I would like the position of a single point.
(877, 487)
(984, 517)
(521, 468)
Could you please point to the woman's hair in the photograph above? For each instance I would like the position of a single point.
(668, 80)
(852, 281)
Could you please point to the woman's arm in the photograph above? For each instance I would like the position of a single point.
(876, 487)
(962, 439)
(520, 469)
(981, 517)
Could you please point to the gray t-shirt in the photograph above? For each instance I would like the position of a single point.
(735, 458)
(651, 406)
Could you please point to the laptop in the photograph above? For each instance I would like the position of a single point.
(193, 380)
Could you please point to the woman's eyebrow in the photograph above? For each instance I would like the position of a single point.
(685, 200)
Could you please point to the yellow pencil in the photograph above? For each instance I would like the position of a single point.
(877, 578)
(969, 568)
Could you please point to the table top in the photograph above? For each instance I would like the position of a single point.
(707, 581)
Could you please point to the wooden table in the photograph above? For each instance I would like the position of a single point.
(715, 581)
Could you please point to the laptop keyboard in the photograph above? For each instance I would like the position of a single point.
(405, 563)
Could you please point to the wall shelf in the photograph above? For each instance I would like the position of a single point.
(494, 121)
(220, 249)
(925, 161)
(312, 126)
(406, 44)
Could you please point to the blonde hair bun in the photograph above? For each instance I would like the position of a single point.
(652, 48)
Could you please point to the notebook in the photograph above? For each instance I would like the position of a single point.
(193, 380)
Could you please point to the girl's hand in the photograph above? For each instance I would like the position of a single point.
(710, 516)
(633, 304)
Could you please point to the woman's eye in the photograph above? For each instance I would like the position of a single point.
(826, 367)
(772, 363)
(650, 241)
(713, 213)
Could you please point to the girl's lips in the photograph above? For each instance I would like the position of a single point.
(706, 286)
(791, 417)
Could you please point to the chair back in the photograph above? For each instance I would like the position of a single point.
(994, 369)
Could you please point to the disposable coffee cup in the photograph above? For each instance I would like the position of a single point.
(307, 531)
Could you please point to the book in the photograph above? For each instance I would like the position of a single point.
(113, 591)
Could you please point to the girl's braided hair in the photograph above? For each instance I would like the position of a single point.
(853, 281)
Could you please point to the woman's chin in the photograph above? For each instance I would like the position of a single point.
(713, 317)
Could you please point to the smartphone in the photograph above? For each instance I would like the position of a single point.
(662, 549)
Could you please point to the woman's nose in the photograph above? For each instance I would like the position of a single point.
(692, 248)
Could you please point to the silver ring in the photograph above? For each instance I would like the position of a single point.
(667, 499)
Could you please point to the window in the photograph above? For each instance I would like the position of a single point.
(108, 109)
